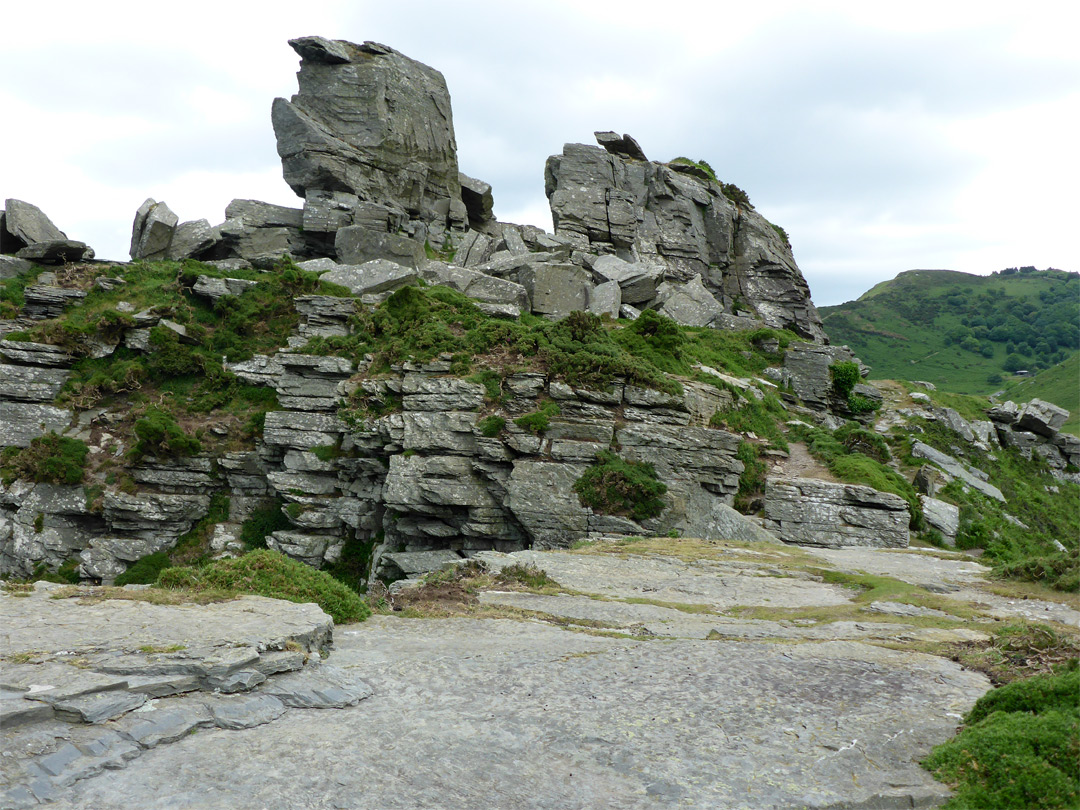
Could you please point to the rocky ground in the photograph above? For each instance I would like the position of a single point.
(660, 673)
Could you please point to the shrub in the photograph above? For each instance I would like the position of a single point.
(50, 459)
(491, 426)
(146, 570)
(262, 522)
(157, 433)
(268, 573)
(537, 421)
(528, 575)
(857, 439)
(844, 376)
(614, 486)
(1019, 749)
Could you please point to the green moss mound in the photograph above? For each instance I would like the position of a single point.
(1019, 750)
(615, 486)
(269, 573)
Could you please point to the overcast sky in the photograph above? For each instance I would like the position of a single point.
(883, 136)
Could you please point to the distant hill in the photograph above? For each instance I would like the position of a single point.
(968, 333)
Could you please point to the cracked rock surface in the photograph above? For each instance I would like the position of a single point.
(636, 687)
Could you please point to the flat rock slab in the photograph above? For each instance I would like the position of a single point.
(484, 713)
(955, 578)
(38, 624)
(718, 585)
(655, 620)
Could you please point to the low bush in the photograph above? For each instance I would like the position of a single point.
(268, 573)
(157, 433)
(146, 570)
(528, 575)
(1019, 748)
(263, 521)
(491, 426)
(49, 459)
(615, 486)
(537, 421)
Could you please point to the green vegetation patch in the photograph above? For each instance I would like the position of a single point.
(491, 426)
(537, 421)
(268, 573)
(49, 459)
(615, 486)
(968, 333)
(1019, 749)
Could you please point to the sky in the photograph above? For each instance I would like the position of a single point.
(882, 136)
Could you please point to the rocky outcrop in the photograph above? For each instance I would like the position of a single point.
(1034, 428)
(372, 126)
(612, 200)
(810, 512)
(29, 234)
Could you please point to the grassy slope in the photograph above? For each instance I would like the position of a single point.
(899, 328)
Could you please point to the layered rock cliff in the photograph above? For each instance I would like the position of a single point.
(401, 426)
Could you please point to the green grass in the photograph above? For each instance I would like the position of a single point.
(763, 419)
(268, 573)
(1019, 749)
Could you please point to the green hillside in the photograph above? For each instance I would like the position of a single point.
(969, 333)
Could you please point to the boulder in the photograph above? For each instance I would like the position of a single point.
(215, 288)
(152, 230)
(806, 371)
(606, 299)
(943, 516)
(26, 224)
(327, 211)
(191, 239)
(807, 511)
(56, 251)
(13, 267)
(478, 200)
(258, 214)
(376, 276)
(370, 121)
(356, 244)
(556, 290)
(478, 286)
(637, 282)
(1041, 417)
(689, 304)
(969, 475)
(622, 145)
